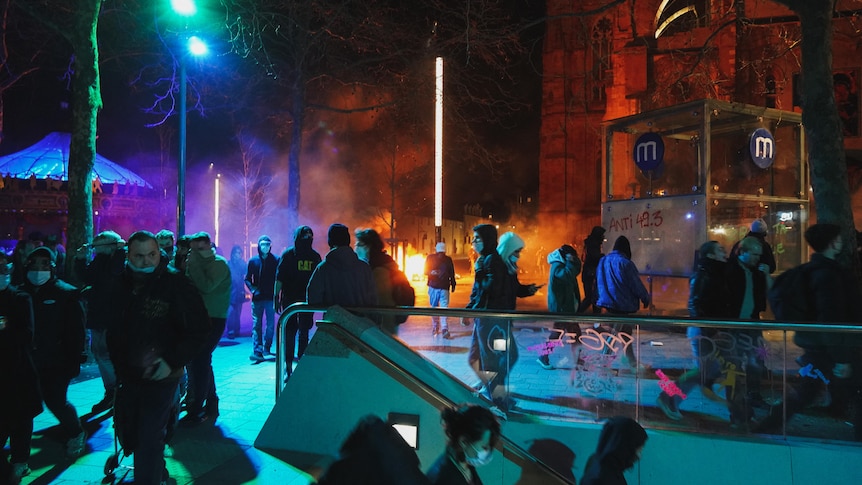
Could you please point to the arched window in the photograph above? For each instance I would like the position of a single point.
(599, 60)
(676, 16)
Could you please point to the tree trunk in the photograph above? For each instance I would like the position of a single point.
(295, 151)
(86, 103)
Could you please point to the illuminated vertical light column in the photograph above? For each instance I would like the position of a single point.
(217, 199)
(438, 152)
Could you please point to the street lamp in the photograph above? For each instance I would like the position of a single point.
(196, 47)
(438, 150)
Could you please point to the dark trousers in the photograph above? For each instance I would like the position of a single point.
(19, 431)
(200, 369)
(142, 411)
(54, 387)
(234, 312)
(500, 362)
(297, 325)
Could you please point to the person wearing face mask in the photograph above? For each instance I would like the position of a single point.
(18, 376)
(748, 281)
(260, 281)
(210, 274)
(161, 324)
(100, 273)
(495, 287)
(369, 248)
(58, 343)
(620, 444)
(238, 292)
(295, 267)
(472, 432)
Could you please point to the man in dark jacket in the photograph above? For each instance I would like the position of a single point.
(592, 255)
(260, 281)
(759, 231)
(295, 268)
(563, 297)
(440, 271)
(342, 278)
(832, 359)
(100, 275)
(58, 344)
(18, 381)
(161, 325)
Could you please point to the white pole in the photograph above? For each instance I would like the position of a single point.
(217, 200)
(438, 151)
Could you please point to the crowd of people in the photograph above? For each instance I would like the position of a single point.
(154, 309)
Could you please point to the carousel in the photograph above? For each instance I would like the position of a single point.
(34, 195)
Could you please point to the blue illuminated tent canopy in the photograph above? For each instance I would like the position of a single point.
(49, 158)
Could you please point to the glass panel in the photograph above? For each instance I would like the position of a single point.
(730, 221)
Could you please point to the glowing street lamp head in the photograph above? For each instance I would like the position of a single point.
(197, 47)
(185, 8)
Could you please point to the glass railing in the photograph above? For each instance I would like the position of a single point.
(697, 376)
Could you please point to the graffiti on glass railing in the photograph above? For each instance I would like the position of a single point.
(732, 343)
(730, 372)
(810, 371)
(545, 348)
(668, 386)
(594, 340)
(594, 374)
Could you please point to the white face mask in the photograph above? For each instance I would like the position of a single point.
(135, 269)
(4, 281)
(38, 278)
(514, 259)
(482, 458)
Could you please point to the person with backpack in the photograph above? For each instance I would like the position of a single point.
(388, 279)
(834, 359)
(440, 271)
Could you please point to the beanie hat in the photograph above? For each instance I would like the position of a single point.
(441, 247)
(41, 251)
(758, 226)
(338, 235)
(820, 235)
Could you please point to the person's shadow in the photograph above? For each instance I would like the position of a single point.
(552, 453)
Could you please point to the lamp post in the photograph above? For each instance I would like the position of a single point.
(438, 151)
(195, 46)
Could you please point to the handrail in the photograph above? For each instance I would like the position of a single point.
(644, 320)
(416, 384)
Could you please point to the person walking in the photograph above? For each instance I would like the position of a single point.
(210, 274)
(342, 278)
(440, 274)
(18, 380)
(472, 432)
(563, 297)
(620, 288)
(295, 268)
(592, 255)
(238, 292)
(100, 274)
(161, 325)
(260, 281)
(59, 342)
(759, 230)
(831, 359)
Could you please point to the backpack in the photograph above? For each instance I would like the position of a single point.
(789, 296)
(402, 293)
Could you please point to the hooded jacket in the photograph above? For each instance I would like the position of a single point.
(210, 274)
(18, 378)
(260, 277)
(296, 266)
(619, 283)
(564, 296)
(490, 273)
(159, 315)
(100, 275)
(59, 337)
(616, 452)
(342, 279)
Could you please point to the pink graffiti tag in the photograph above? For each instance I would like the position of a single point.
(668, 386)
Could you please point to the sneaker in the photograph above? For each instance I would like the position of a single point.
(435, 331)
(667, 406)
(545, 362)
(75, 446)
(256, 357)
(192, 420)
(268, 353)
(20, 470)
(106, 403)
(446, 335)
